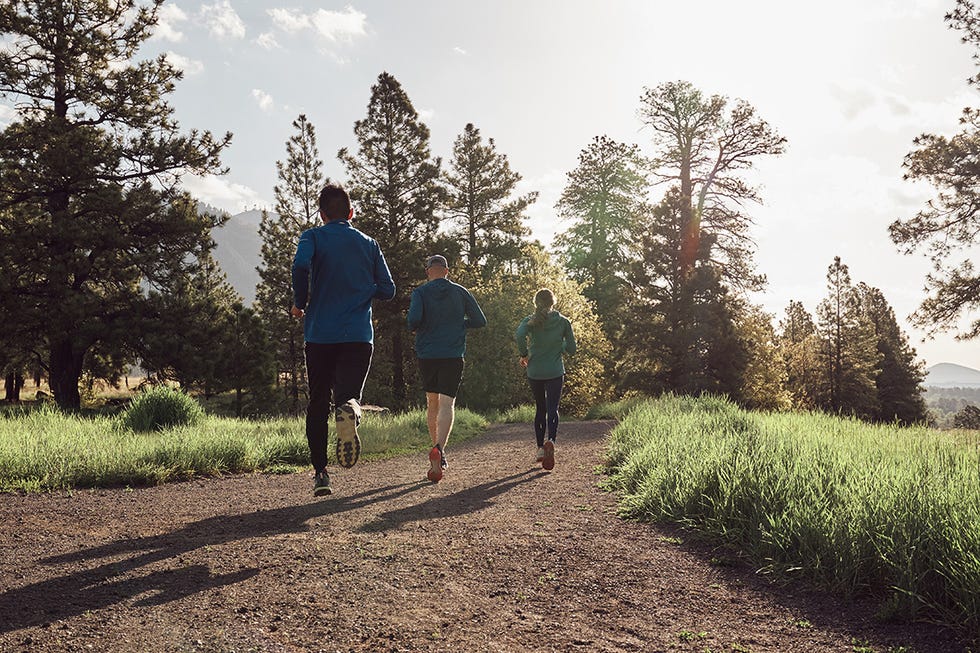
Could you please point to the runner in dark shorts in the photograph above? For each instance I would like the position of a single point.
(439, 313)
(441, 375)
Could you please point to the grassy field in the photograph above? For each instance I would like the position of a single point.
(47, 450)
(859, 509)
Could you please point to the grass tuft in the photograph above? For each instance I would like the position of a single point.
(45, 449)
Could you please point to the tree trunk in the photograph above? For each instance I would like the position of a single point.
(690, 221)
(238, 402)
(66, 370)
(10, 386)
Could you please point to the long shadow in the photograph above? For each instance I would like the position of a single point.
(470, 500)
(105, 584)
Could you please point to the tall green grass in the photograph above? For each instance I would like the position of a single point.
(857, 508)
(48, 450)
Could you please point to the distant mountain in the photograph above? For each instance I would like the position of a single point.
(239, 251)
(950, 375)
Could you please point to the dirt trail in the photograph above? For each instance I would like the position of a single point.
(500, 556)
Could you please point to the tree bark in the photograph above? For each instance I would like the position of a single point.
(10, 388)
(66, 370)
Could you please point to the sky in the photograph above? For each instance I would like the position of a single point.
(849, 84)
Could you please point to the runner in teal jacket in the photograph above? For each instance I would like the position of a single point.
(542, 340)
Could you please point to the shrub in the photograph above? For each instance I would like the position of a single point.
(161, 407)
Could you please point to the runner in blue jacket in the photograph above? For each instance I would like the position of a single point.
(337, 271)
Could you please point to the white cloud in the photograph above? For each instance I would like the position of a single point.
(222, 193)
(222, 20)
(862, 107)
(289, 20)
(264, 99)
(188, 65)
(459, 50)
(340, 26)
(334, 26)
(267, 41)
(167, 19)
(426, 114)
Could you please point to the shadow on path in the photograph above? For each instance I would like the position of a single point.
(108, 583)
(470, 500)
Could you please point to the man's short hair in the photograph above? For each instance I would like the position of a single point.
(334, 202)
(436, 259)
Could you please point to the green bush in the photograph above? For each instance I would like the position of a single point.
(159, 408)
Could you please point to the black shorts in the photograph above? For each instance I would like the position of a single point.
(441, 375)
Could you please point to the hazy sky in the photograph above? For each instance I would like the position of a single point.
(849, 84)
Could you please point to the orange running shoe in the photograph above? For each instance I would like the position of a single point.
(548, 462)
(435, 465)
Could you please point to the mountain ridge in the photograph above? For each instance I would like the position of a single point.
(951, 375)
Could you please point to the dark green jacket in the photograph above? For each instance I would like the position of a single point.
(544, 345)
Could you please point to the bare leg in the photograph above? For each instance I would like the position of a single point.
(432, 415)
(444, 421)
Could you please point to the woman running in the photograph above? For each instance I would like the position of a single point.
(542, 339)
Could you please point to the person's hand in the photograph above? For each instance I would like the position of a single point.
(297, 312)
(523, 361)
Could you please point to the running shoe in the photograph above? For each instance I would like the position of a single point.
(443, 463)
(348, 416)
(548, 462)
(435, 465)
(540, 455)
(321, 484)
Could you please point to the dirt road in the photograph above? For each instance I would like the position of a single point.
(500, 556)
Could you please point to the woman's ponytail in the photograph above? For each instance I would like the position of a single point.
(544, 301)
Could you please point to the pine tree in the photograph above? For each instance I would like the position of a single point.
(394, 183)
(702, 146)
(485, 215)
(192, 311)
(679, 332)
(951, 222)
(800, 350)
(900, 375)
(848, 349)
(763, 383)
(296, 210)
(604, 199)
(247, 359)
(90, 177)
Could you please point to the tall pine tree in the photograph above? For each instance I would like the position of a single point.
(604, 200)
(486, 216)
(394, 183)
(91, 167)
(899, 379)
(679, 331)
(702, 146)
(848, 349)
(296, 210)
